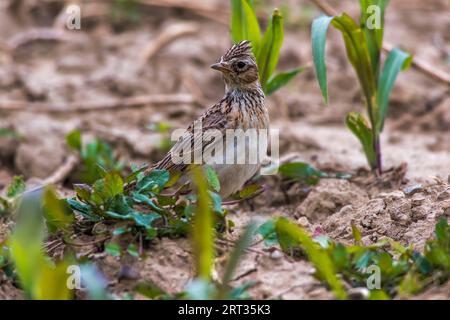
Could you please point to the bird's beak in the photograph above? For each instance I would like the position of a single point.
(220, 66)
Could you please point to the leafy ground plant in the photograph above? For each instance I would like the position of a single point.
(266, 47)
(96, 157)
(403, 270)
(14, 190)
(363, 44)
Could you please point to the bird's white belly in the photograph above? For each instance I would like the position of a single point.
(234, 174)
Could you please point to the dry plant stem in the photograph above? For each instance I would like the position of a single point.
(62, 172)
(167, 36)
(227, 203)
(137, 101)
(419, 64)
(43, 34)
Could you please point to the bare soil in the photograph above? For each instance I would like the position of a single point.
(103, 62)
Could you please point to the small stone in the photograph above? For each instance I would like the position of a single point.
(395, 195)
(418, 199)
(303, 221)
(410, 190)
(358, 293)
(276, 255)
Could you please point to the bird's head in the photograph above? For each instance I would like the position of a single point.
(238, 66)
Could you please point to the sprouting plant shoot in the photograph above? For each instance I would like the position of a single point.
(363, 43)
(266, 48)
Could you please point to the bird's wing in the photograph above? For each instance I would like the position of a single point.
(219, 117)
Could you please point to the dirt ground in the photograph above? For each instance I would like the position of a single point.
(104, 62)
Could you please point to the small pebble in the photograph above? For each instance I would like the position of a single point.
(276, 255)
(303, 221)
(410, 190)
(358, 293)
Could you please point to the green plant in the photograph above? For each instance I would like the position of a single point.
(14, 190)
(39, 276)
(363, 44)
(266, 48)
(96, 157)
(403, 270)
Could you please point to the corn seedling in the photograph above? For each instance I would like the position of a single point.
(363, 44)
(266, 47)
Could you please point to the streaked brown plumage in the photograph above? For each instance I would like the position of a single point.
(242, 107)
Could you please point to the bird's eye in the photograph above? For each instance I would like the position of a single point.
(241, 64)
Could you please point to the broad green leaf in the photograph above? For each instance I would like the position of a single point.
(211, 178)
(396, 61)
(73, 139)
(136, 172)
(133, 250)
(356, 234)
(154, 181)
(316, 255)
(442, 232)
(318, 37)
(358, 125)
(270, 47)
(244, 24)
(302, 171)
(113, 249)
(140, 198)
(268, 233)
(55, 211)
(281, 79)
(144, 219)
(249, 190)
(16, 187)
(203, 233)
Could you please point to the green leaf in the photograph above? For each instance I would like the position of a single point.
(249, 190)
(107, 188)
(133, 250)
(244, 24)
(154, 181)
(216, 202)
(144, 219)
(281, 79)
(39, 278)
(359, 56)
(302, 171)
(241, 244)
(113, 249)
(203, 234)
(396, 61)
(318, 37)
(212, 178)
(134, 175)
(356, 234)
(318, 256)
(442, 232)
(16, 187)
(271, 43)
(55, 211)
(268, 233)
(358, 125)
(374, 34)
(73, 139)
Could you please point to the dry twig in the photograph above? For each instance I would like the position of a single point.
(168, 35)
(81, 106)
(62, 172)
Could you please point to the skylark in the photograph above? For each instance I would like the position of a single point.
(241, 108)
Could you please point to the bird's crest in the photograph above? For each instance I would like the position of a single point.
(243, 48)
